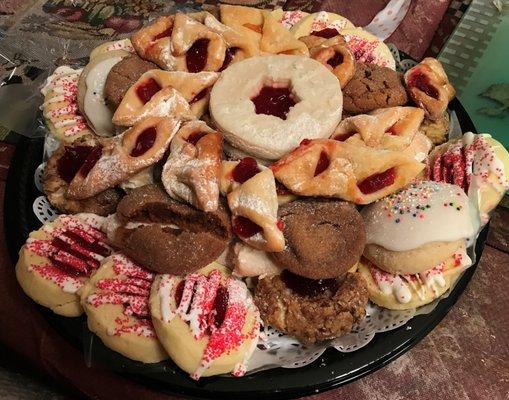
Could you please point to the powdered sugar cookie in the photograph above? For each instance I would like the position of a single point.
(116, 301)
(57, 260)
(320, 24)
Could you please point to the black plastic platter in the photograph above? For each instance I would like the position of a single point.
(329, 371)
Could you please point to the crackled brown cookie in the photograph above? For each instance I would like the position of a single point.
(60, 170)
(312, 310)
(167, 236)
(122, 76)
(373, 87)
(324, 238)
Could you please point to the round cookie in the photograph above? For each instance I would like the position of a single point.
(91, 100)
(61, 168)
(312, 310)
(122, 76)
(207, 321)
(403, 292)
(324, 238)
(373, 87)
(265, 106)
(116, 301)
(57, 260)
(167, 236)
(122, 44)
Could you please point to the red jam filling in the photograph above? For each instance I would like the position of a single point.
(274, 101)
(322, 164)
(326, 33)
(244, 227)
(91, 160)
(282, 190)
(253, 27)
(335, 60)
(71, 161)
(344, 136)
(179, 291)
(147, 90)
(195, 137)
(79, 249)
(377, 182)
(245, 169)
(199, 96)
(167, 32)
(308, 287)
(144, 142)
(304, 142)
(392, 130)
(196, 56)
(220, 305)
(421, 82)
(228, 57)
(280, 224)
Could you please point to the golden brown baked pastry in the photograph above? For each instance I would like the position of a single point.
(122, 156)
(191, 173)
(429, 87)
(329, 168)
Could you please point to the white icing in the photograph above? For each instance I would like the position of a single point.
(98, 113)
(396, 223)
(316, 114)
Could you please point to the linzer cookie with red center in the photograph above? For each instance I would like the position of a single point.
(356, 173)
(116, 301)
(206, 321)
(60, 107)
(58, 259)
(60, 170)
(167, 236)
(429, 87)
(476, 163)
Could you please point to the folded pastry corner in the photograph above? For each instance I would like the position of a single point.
(355, 173)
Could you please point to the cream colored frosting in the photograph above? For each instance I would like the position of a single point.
(422, 213)
(315, 115)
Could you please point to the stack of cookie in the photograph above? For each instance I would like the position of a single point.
(225, 172)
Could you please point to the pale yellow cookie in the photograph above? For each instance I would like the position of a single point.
(116, 303)
(208, 324)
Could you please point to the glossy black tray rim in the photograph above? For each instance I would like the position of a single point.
(331, 370)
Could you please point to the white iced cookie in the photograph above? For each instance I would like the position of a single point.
(367, 48)
(266, 106)
(422, 213)
(122, 44)
(207, 321)
(116, 301)
(320, 21)
(91, 101)
(59, 258)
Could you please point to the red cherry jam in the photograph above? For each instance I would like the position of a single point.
(421, 82)
(244, 227)
(282, 190)
(91, 160)
(253, 27)
(147, 90)
(392, 130)
(195, 137)
(166, 33)
(199, 96)
(228, 57)
(81, 249)
(322, 164)
(274, 101)
(377, 182)
(196, 56)
(245, 169)
(144, 142)
(280, 224)
(304, 142)
(326, 33)
(220, 305)
(335, 60)
(344, 136)
(69, 164)
(308, 287)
